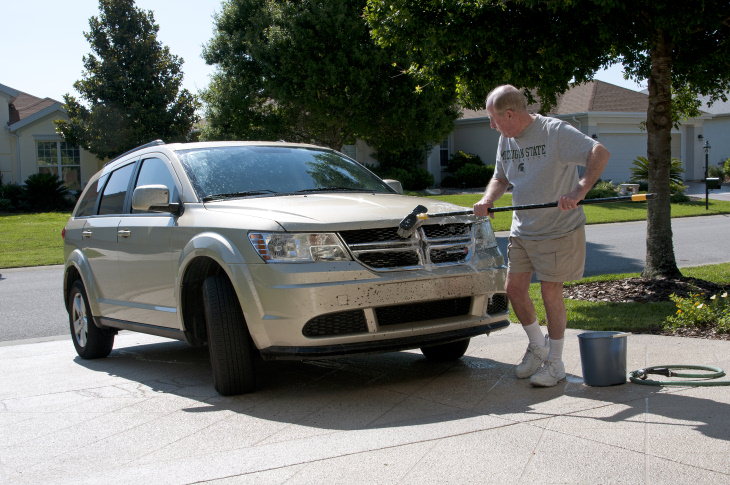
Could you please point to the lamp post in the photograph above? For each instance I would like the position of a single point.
(707, 187)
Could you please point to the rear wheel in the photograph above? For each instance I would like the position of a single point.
(229, 343)
(446, 352)
(91, 342)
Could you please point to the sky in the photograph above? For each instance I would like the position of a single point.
(44, 43)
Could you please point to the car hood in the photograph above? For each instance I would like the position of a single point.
(333, 212)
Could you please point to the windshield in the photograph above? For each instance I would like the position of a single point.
(246, 171)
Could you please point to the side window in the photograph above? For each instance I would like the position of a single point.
(87, 203)
(112, 199)
(155, 172)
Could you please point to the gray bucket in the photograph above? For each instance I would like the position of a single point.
(603, 357)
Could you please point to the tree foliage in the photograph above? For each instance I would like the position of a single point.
(544, 46)
(130, 92)
(309, 71)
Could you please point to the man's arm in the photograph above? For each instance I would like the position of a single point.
(597, 160)
(495, 189)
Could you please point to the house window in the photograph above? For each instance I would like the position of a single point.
(444, 153)
(61, 159)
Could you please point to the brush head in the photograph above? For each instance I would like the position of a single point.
(408, 224)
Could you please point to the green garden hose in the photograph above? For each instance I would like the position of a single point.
(640, 376)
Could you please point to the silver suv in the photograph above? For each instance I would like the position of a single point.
(277, 250)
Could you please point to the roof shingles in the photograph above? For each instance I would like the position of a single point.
(593, 96)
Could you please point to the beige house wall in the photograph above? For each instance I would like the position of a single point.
(7, 144)
(26, 138)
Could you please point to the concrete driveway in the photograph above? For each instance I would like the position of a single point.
(149, 414)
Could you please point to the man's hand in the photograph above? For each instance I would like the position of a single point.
(481, 208)
(570, 200)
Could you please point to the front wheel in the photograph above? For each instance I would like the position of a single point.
(446, 352)
(91, 342)
(229, 343)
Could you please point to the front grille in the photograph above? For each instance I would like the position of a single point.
(429, 310)
(341, 323)
(436, 244)
(498, 303)
(389, 259)
(353, 321)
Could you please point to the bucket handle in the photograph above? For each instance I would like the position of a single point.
(619, 335)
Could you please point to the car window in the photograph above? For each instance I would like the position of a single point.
(271, 170)
(155, 172)
(87, 203)
(112, 199)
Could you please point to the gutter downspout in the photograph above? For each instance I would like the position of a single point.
(17, 158)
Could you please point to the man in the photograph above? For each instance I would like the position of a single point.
(539, 156)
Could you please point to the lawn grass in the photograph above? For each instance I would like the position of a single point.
(625, 317)
(31, 239)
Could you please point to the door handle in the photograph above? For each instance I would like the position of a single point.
(124, 233)
(86, 233)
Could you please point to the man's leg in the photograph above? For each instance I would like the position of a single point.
(553, 370)
(517, 287)
(552, 298)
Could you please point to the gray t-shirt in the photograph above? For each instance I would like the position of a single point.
(542, 164)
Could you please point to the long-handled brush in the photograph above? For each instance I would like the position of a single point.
(408, 225)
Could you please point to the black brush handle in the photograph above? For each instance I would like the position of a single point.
(604, 200)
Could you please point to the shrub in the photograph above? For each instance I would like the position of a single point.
(640, 170)
(460, 159)
(726, 168)
(602, 189)
(471, 175)
(45, 192)
(716, 171)
(412, 179)
(13, 194)
(695, 311)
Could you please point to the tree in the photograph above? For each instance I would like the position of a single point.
(309, 71)
(544, 46)
(131, 86)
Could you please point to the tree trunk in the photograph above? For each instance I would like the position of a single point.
(660, 260)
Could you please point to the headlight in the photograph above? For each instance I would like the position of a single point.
(281, 247)
(484, 236)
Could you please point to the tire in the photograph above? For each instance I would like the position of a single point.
(229, 343)
(446, 352)
(91, 342)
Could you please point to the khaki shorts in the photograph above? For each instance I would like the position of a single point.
(559, 259)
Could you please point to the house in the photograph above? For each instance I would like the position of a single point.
(29, 143)
(716, 132)
(609, 113)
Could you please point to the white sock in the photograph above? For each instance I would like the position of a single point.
(556, 350)
(534, 333)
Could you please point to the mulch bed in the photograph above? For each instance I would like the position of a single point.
(650, 290)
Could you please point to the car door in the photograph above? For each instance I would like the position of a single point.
(147, 271)
(99, 239)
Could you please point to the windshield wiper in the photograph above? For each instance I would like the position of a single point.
(233, 195)
(335, 189)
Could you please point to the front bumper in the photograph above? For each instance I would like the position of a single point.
(329, 309)
(392, 345)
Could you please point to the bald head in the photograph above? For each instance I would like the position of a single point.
(506, 97)
(507, 109)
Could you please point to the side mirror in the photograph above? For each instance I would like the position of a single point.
(394, 184)
(154, 198)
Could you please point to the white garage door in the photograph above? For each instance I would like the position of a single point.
(624, 149)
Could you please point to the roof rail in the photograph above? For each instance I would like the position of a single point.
(146, 145)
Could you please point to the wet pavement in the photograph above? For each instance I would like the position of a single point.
(148, 413)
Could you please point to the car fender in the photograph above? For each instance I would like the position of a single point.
(218, 248)
(78, 260)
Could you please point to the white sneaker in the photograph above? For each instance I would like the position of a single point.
(533, 359)
(549, 375)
